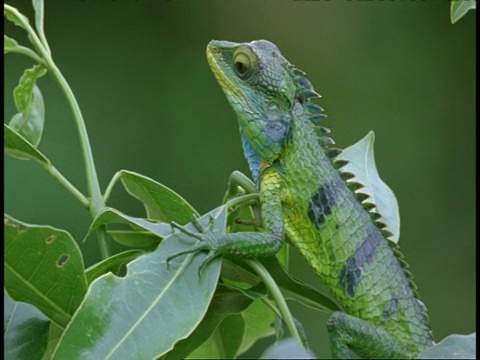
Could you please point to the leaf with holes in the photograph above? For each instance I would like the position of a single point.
(143, 314)
(25, 330)
(44, 267)
(361, 163)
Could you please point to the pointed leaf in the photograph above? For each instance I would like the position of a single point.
(161, 203)
(9, 44)
(112, 264)
(23, 92)
(17, 146)
(54, 334)
(361, 163)
(208, 350)
(134, 238)
(13, 15)
(44, 267)
(224, 303)
(25, 330)
(29, 122)
(459, 8)
(452, 347)
(230, 335)
(38, 6)
(259, 319)
(114, 216)
(143, 314)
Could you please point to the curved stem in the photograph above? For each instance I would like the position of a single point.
(96, 202)
(241, 199)
(52, 170)
(28, 52)
(108, 190)
(278, 297)
(96, 198)
(32, 35)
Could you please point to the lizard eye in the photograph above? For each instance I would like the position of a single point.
(242, 65)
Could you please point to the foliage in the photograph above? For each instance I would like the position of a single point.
(459, 9)
(136, 303)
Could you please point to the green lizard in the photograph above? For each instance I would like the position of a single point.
(304, 195)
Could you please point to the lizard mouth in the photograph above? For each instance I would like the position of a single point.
(215, 59)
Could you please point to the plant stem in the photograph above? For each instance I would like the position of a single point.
(52, 170)
(96, 202)
(110, 186)
(278, 297)
(28, 52)
(249, 198)
(96, 199)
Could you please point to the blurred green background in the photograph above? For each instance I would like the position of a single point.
(151, 105)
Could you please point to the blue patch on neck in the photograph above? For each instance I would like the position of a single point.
(253, 159)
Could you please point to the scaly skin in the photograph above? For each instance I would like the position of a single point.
(304, 196)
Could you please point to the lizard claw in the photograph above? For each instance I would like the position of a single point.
(205, 234)
(211, 256)
(189, 251)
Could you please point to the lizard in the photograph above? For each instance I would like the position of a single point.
(304, 196)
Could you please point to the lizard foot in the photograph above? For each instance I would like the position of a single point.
(207, 236)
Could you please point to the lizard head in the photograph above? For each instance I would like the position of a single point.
(259, 84)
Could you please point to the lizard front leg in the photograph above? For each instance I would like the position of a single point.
(248, 244)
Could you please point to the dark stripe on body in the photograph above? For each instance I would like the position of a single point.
(322, 202)
(390, 308)
(352, 273)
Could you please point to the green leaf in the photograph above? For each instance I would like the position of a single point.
(38, 7)
(44, 267)
(14, 16)
(208, 350)
(112, 264)
(224, 303)
(23, 92)
(230, 335)
(161, 203)
(459, 8)
(361, 163)
(452, 347)
(30, 122)
(9, 44)
(25, 330)
(113, 216)
(287, 349)
(17, 146)
(134, 238)
(54, 334)
(149, 309)
(259, 319)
